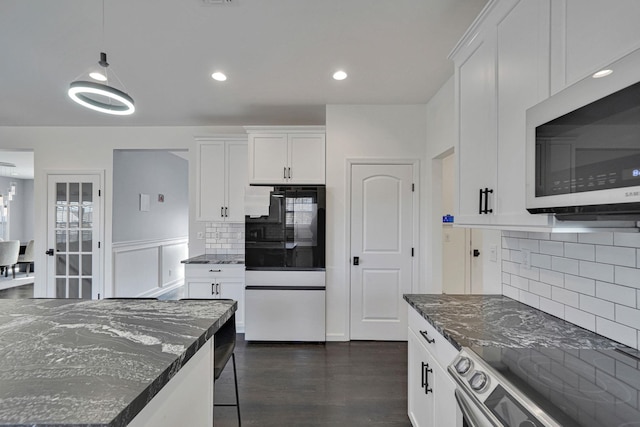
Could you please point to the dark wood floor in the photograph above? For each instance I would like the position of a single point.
(18, 292)
(358, 383)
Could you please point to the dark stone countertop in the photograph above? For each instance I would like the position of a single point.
(215, 259)
(95, 363)
(499, 321)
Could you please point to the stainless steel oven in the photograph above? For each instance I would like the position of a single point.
(547, 387)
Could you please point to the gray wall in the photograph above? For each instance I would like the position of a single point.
(149, 172)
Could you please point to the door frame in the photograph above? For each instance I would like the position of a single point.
(100, 174)
(350, 162)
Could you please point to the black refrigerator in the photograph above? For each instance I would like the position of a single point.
(292, 235)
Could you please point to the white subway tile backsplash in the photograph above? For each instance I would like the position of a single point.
(617, 332)
(552, 307)
(580, 284)
(628, 316)
(627, 276)
(510, 292)
(539, 288)
(596, 271)
(564, 265)
(627, 239)
(589, 279)
(596, 238)
(580, 251)
(552, 277)
(616, 255)
(552, 248)
(580, 318)
(224, 238)
(519, 282)
(530, 299)
(565, 296)
(597, 306)
(564, 237)
(616, 293)
(541, 261)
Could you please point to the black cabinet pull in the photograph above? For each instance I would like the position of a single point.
(427, 370)
(284, 174)
(484, 194)
(226, 211)
(213, 291)
(222, 211)
(423, 383)
(426, 337)
(289, 172)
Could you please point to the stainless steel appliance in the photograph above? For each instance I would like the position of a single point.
(583, 149)
(517, 387)
(285, 263)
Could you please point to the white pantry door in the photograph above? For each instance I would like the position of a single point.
(382, 243)
(73, 233)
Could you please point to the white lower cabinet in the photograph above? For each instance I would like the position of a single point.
(217, 281)
(431, 398)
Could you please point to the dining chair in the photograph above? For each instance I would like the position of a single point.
(27, 256)
(9, 250)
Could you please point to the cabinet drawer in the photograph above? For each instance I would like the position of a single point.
(214, 270)
(441, 349)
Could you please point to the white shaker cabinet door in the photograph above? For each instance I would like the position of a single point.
(477, 152)
(236, 181)
(267, 158)
(211, 181)
(307, 159)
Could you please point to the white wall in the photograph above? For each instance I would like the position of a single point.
(359, 132)
(91, 148)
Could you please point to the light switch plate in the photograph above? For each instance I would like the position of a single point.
(493, 253)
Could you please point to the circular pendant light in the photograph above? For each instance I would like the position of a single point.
(101, 97)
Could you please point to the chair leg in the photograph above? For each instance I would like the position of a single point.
(28, 268)
(235, 379)
(13, 270)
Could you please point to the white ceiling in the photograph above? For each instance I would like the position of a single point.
(278, 54)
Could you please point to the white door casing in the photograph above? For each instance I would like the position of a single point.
(382, 237)
(74, 233)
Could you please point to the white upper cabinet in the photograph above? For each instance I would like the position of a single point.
(476, 88)
(501, 69)
(291, 155)
(221, 179)
(587, 35)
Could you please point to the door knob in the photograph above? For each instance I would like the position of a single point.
(476, 253)
(356, 260)
(49, 252)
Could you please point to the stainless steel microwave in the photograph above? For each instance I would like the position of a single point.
(583, 148)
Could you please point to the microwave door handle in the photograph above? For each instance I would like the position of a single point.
(472, 415)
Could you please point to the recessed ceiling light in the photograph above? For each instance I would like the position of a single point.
(218, 76)
(98, 76)
(602, 73)
(339, 75)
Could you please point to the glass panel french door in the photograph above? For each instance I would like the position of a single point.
(73, 236)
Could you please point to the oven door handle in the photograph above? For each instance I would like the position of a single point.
(472, 414)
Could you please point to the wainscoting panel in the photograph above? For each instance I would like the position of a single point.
(148, 268)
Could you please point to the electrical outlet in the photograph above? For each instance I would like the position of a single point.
(526, 259)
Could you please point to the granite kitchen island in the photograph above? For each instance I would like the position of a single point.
(107, 362)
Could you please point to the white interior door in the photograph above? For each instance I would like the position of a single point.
(73, 236)
(382, 242)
